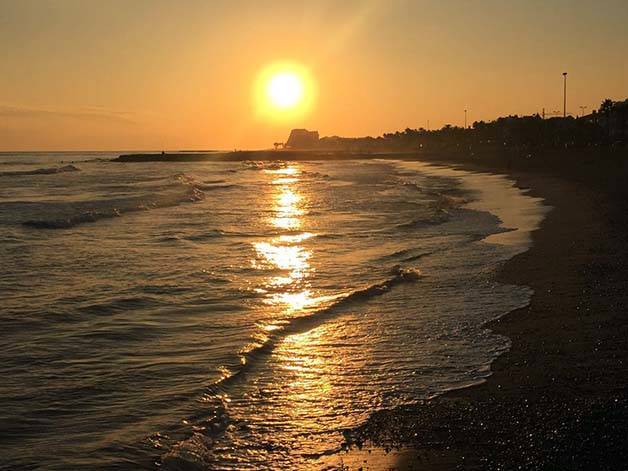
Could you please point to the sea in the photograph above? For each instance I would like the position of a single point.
(240, 315)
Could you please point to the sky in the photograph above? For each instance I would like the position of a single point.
(168, 74)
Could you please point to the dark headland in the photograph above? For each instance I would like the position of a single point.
(558, 400)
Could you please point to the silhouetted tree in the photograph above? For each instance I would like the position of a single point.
(524, 133)
(607, 106)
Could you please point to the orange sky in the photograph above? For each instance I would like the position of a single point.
(153, 74)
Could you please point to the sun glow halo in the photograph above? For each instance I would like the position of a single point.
(284, 90)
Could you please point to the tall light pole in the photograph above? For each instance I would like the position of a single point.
(582, 108)
(465, 119)
(564, 94)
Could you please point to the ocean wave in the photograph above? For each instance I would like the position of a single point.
(442, 207)
(211, 234)
(441, 216)
(207, 235)
(191, 454)
(445, 201)
(411, 185)
(17, 162)
(42, 171)
(71, 221)
(263, 165)
(312, 174)
(405, 255)
(119, 304)
(195, 452)
(176, 190)
(304, 323)
(210, 187)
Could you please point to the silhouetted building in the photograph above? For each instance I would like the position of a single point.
(302, 139)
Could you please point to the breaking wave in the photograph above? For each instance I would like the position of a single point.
(301, 324)
(42, 171)
(174, 191)
(195, 452)
(263, 165)
(440, 217)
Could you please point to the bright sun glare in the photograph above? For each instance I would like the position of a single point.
(285, 90)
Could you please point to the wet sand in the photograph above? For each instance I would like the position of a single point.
(559, 398)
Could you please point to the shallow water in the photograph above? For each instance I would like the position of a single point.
(239, 315)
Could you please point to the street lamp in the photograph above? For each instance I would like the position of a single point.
(582, 108)
(465, 119)
(564, 94)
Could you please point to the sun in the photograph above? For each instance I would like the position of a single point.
(284, 91)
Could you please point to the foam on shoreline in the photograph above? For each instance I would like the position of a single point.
(520, 215)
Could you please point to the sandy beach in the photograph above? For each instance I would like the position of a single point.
(557, 399)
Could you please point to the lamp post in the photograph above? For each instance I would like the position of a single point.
(465, 119)
(564, 94)
(582, 108)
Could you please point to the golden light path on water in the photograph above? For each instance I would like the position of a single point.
(306, 368)
(288, 293)
(284, 252)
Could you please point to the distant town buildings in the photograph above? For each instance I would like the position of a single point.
(606, 126)
(302, 139)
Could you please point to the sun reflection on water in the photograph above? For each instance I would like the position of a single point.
(302, 368)
(288, 293)
(293, 301)
(287, 209)
(289, 290)
(293, 257)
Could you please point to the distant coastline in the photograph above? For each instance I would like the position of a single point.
(590, 162)
(505, 141)
(191, 156)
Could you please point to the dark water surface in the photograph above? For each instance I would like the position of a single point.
(238, 315)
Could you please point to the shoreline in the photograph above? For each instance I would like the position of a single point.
(557, 399)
